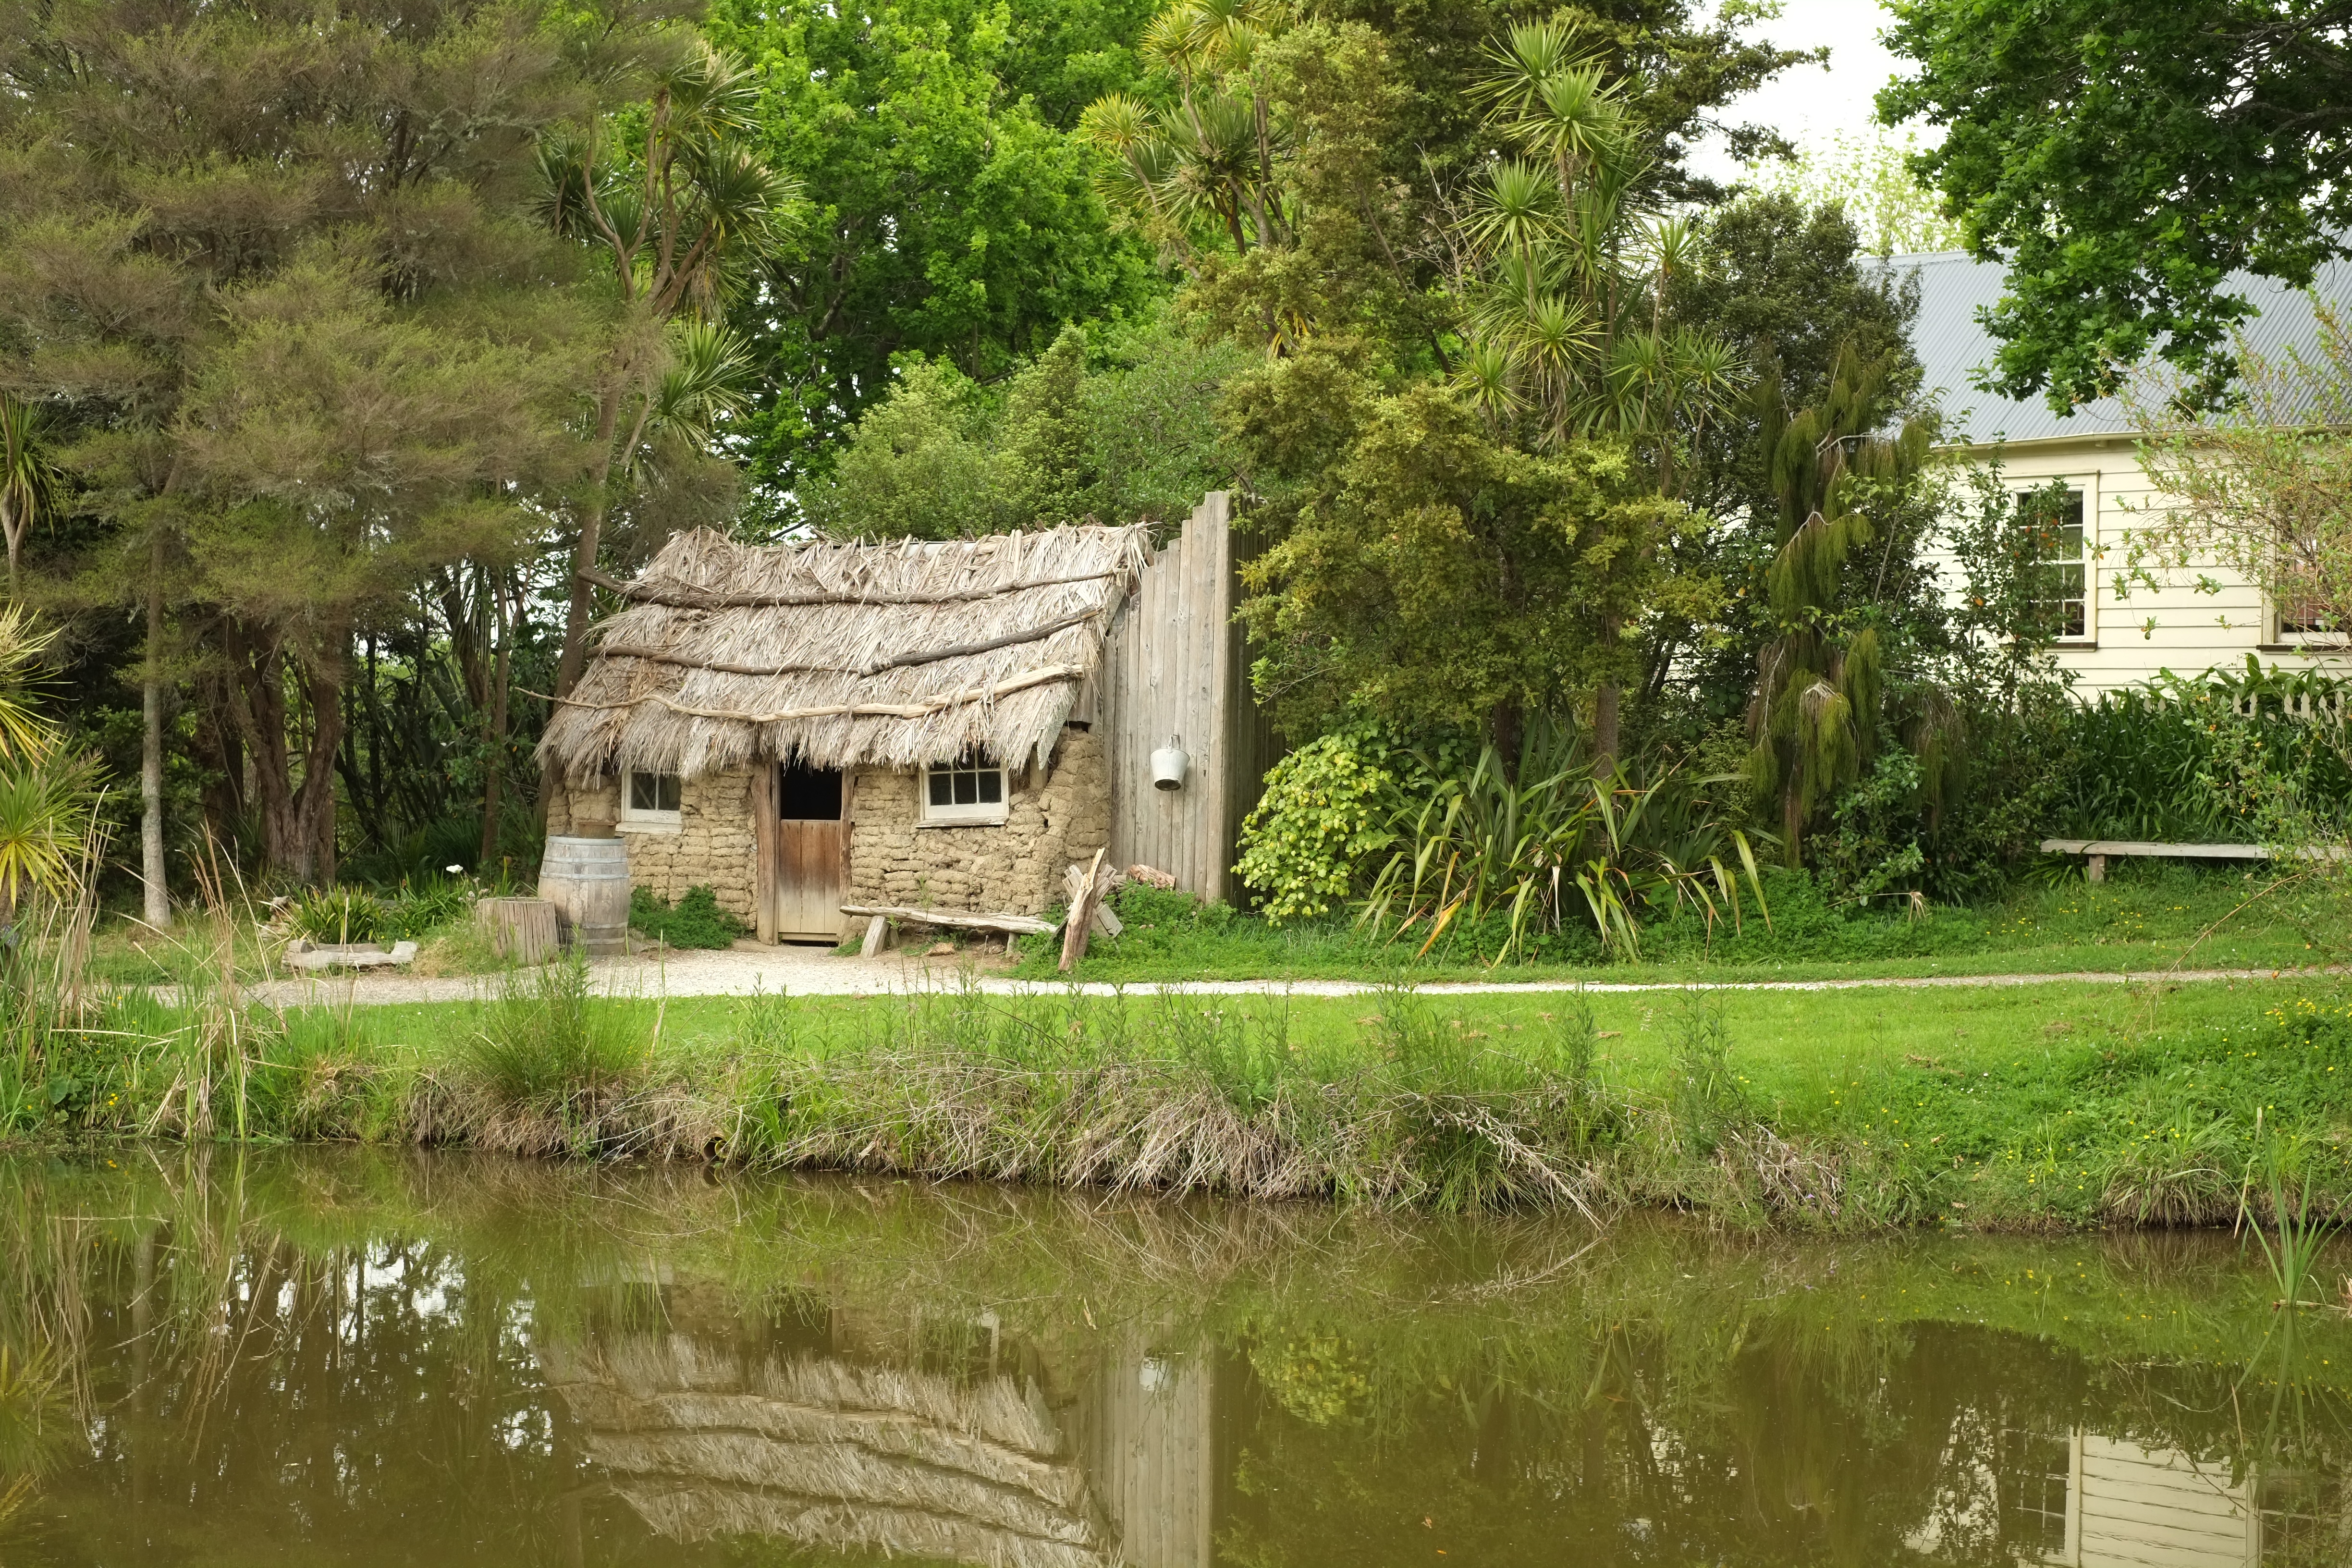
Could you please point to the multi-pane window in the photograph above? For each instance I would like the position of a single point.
(968, 790)
(2303, 616)
(2031, 1479)
(2296, 1529)
(650, 797)
(2051, 522)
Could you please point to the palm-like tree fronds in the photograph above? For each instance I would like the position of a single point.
(29, 483)
(24, 735)
(709, 378)
(45, 821)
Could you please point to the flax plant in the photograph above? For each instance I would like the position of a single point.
(1553, 840)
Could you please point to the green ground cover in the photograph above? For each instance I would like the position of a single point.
(2145, 918)
(2049, 1104)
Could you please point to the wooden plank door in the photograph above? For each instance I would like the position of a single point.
(812, 854)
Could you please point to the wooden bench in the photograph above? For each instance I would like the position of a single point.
(878, 918)
(2099, 851)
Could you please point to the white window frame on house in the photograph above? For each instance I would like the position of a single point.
(652, 818)
(971, 777)
(2086, 632)
(2290, 629)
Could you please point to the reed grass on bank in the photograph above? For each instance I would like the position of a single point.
(1996, 1110)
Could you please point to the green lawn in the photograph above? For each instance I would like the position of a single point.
(2146, 918)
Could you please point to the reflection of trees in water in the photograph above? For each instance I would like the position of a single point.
(367, 1358)
(277, 1378)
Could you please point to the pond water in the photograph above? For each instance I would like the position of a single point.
(353, 1357)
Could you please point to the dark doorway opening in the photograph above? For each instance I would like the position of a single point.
(808, 794)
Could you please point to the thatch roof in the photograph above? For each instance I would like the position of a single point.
(836, 655)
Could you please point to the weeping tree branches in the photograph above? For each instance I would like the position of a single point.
(2263, 487)
(1814, 714)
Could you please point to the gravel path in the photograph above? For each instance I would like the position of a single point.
(816, 971)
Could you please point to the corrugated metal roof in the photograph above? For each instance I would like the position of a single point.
(1954, 346)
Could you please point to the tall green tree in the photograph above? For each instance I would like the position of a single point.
(1114, 425)
(677, 204)
(2124, 161)
(1788, 285)
(1528, 295)
(949, 211)
(224, 234)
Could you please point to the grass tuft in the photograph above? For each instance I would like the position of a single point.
(548, 1048)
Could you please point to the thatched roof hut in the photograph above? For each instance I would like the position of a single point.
(806, 729)
(842, 655)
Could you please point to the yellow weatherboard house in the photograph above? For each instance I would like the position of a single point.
(2114, 631)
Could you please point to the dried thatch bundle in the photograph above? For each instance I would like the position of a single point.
(838, 655)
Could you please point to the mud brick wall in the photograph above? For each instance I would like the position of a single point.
(1050, 819)
(711, 846)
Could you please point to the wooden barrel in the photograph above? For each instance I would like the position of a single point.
(587, 880)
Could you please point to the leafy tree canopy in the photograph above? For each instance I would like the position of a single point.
(948, 211)
(1871, 179)
(1116, 424)
(2124, 160)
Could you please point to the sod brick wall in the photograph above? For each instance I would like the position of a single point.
(711, 846)
(1052, 818)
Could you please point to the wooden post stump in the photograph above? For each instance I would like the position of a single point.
(519, 929)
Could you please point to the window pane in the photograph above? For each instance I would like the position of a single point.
(667, 788)
(967, 788)
(940, 788)
(992, 786)
(641, 791)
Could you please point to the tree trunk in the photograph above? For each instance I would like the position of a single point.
(157, 902)
(1793, 825)
(1506, 727)
(584, 559)
(218, 750)
(494, 724)
(1607, 698)
(256, 694)
(314, 801)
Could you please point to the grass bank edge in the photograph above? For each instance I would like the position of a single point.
(2071, 1106)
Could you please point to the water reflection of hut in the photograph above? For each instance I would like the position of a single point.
(702, 1440)
(828, 1453)
(1146, 1431)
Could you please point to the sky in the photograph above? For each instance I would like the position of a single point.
(1808, 103)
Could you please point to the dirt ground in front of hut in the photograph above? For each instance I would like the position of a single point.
(796, 969)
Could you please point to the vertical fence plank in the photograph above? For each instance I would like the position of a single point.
(1177, 666)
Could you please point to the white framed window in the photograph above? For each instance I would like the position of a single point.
(651, 800)
(964, 792)
(2300, 619)
(2052, 524)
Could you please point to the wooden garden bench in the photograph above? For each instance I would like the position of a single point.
(2099, 851)
(879, 915)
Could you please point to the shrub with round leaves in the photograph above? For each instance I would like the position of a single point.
(1320, 821)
